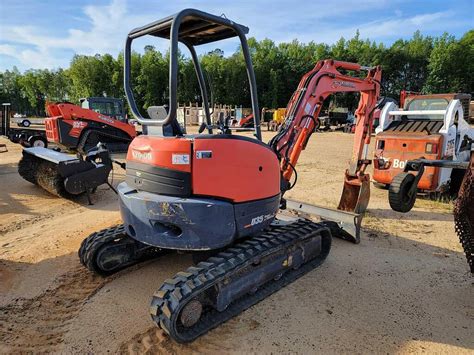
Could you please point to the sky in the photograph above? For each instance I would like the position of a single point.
(46, 34)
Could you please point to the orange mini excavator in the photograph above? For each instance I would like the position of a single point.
(221, 192)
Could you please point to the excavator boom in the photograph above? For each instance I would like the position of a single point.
(303, 110)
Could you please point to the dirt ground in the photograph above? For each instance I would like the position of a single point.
(406, 288)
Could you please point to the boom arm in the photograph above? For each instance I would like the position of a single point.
(304, 108)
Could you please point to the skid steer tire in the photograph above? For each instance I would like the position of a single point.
(398, 196)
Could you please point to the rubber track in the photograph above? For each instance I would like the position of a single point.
(116, 234)
(176, 292)
(81, 147)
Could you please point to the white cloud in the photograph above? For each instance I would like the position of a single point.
(319, 21)
(388, 28)
(108, 27)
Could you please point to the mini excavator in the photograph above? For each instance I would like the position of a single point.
(221, 192)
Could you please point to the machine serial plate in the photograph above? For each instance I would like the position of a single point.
(204, 154)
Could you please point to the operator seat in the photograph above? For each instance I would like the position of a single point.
(160, 113)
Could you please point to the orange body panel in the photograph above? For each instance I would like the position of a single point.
(399, 149)
(159, 151)
(239, 170)
(51, 128)
(224, 167)
(74, 112)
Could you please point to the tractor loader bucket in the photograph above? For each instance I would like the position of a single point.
(356, 194)
(61, 174)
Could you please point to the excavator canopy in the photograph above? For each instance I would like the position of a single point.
(195, 28)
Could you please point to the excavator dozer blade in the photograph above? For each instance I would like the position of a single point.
(343, 225)
(355, 195)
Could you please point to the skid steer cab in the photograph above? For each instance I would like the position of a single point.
(431, 128)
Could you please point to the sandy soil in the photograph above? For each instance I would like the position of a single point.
(406, 288)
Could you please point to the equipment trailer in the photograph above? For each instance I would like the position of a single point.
(24, 136)
(220, 193)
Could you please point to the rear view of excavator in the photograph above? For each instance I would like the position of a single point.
(86, 132)
(221, 194)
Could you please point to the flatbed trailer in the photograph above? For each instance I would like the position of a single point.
(24, 136)
(27, 137)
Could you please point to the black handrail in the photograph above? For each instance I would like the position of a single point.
(173, 23)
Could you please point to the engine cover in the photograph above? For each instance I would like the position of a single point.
(234, 168)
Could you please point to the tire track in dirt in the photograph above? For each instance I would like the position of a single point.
(39, 324)
(64, 205)
(155, 341)
(222, 340)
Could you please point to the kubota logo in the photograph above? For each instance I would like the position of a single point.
(106, 119)
(337, 83)
(141, 156)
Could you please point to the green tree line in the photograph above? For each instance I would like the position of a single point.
(422, 63)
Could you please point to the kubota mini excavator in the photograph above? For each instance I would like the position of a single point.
(221, 192)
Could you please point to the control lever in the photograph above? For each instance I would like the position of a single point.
(202, 127)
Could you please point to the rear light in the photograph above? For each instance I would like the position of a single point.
(431, 148)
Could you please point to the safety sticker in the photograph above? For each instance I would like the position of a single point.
(180, 159)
